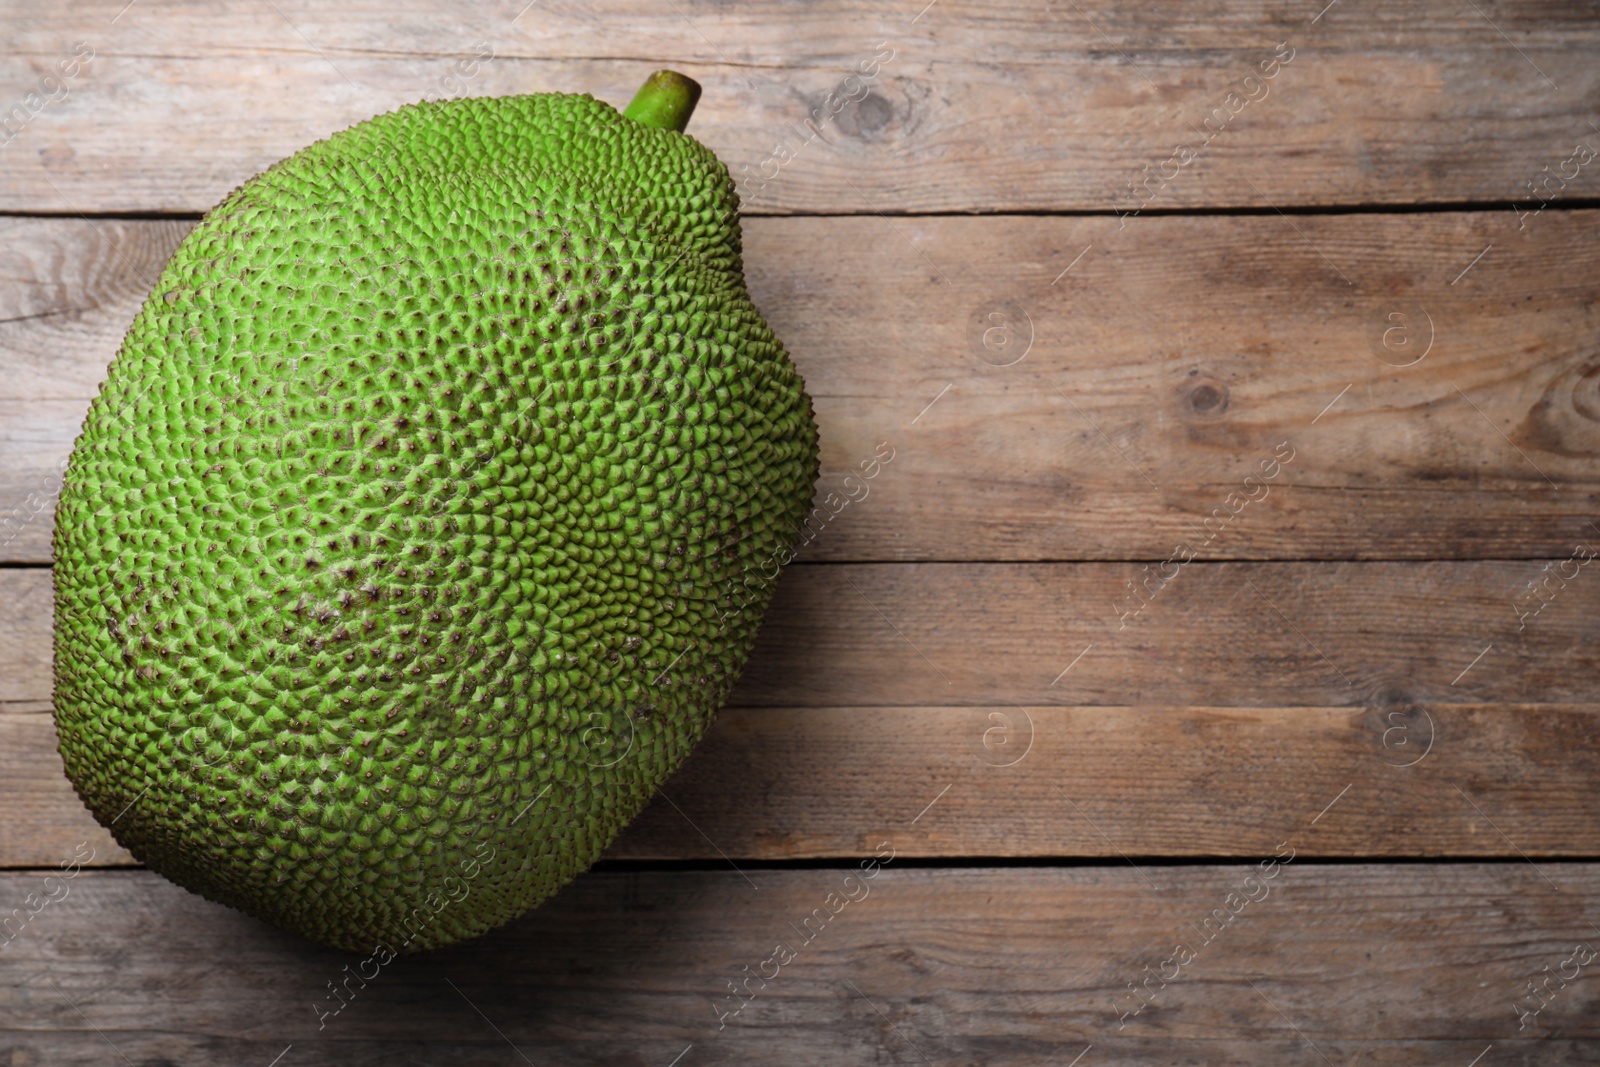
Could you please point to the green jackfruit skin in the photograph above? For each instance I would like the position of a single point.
(425, 519)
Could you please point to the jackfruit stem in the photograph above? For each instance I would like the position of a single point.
(665, 100)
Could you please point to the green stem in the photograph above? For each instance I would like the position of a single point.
(665, 100)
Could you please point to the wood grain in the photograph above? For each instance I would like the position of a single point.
(45, 821)
(1388, 654)
(1416, 964)
(1097, 782)
(1410, 780)
(1225, 634)
(1247, 683)
(983, 107)
(1165, 368)
(1220, 634)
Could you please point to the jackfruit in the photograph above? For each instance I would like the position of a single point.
(426, 516)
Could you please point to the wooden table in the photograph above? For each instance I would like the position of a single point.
(1216, 656)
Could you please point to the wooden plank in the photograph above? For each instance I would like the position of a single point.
(1289, 677)
(1219, 634)
(1415, 964)
(68, 291)
(1111, 782)
(801, 783)
(25, 633)
(978, 107)
(750, 36)
(46, 821)
(1224, 634)
(1124, 429)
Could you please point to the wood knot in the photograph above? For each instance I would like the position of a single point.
(1565, 420)
(1397, 720)
(867, 118)
(1205, 397)
(872, 114)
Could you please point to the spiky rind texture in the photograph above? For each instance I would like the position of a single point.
(425, 519)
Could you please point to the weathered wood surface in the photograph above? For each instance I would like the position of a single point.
(978, 107)
(803, 783)
(1390, 654)
(1121, 432)
(1417, 964)
(1220, 634)
(1249, 684)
